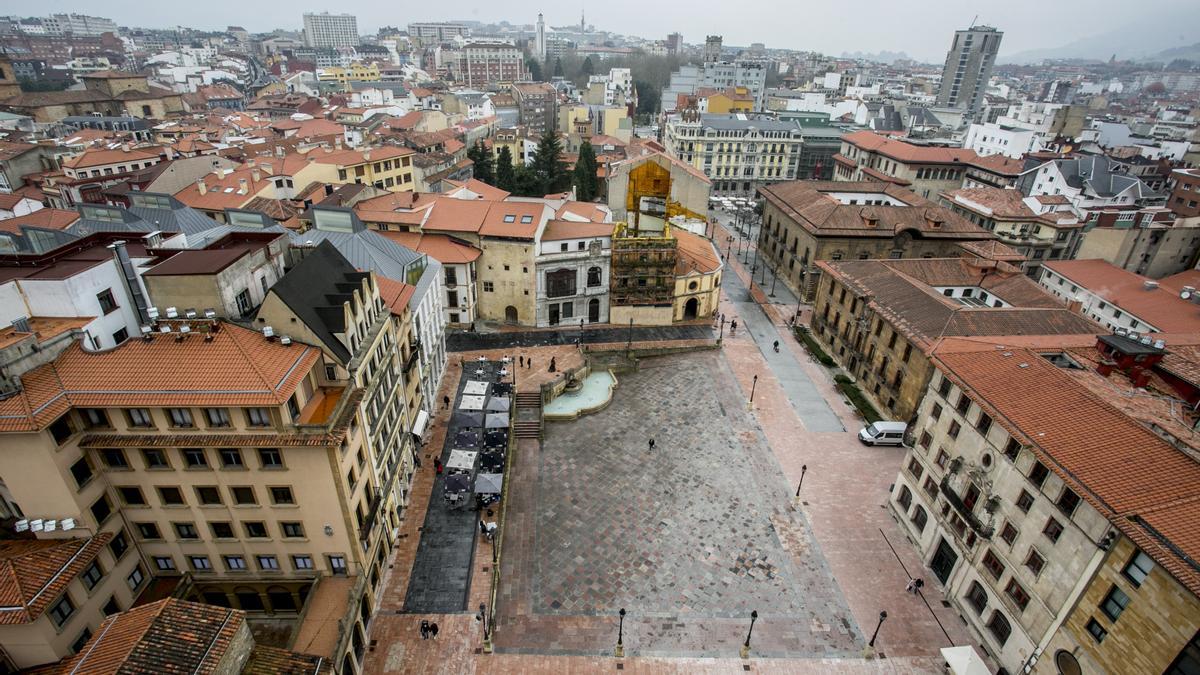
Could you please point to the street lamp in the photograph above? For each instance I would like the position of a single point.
(620, 651)
(803, 470)
(882, 616)
(746, 644)
(487, 628)
(729, 249)
(753, 386)
(722, 336)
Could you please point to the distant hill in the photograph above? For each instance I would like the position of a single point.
(1190, 53)
(1142, 41)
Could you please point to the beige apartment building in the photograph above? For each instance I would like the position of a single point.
(230, 466)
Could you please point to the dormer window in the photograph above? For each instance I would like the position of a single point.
(526, 219)
(510, 219)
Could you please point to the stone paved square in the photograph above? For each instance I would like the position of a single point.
(689, 537)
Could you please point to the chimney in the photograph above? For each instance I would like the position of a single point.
(201, 186)
(242, 186)
(255, 176)
(337, 142)
(366, 155)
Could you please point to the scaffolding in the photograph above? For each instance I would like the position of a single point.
(642, 268)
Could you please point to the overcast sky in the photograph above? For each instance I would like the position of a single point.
(922, 29)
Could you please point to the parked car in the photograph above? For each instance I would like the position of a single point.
(883, 433)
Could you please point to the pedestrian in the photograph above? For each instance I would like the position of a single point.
(528, 362)
(920, 585)
(553, 363)
(424, 629)
(437, 465)
(777, 346)
(651, 445)
(733, 327)
(433, 630)
(446, 401)
(521, 360)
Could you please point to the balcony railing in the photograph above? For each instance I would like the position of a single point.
(976, 525)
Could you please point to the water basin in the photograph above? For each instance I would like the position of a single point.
(593, 395)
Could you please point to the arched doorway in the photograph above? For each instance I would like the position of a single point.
(594, 310)
(690, 309)
(510, 314)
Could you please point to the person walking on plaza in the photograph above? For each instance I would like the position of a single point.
(424, 629)
(553, 363)
(433, 630)
(651, 445)
(914, 585)
(446, 401)
(733, 327)
(777, 346)
(528, 362)
(521, 360)
(437, 465)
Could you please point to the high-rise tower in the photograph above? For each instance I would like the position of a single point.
(968, 68)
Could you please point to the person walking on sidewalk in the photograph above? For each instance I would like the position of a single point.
(777, 346)
(437, 465)
(433, 630)
(733, 327)
(521, 360)
(424, 629)
(446, 401)
(651, 445)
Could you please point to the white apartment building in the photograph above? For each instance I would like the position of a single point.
(997, 139)
(573, 263)
(427, 33)
(79, 25)
(739, 153)
(718, 75)
(330, 31)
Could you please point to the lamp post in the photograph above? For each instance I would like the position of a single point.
(774, 278)
(803, 470)
(746, 644)
(722, 336)
(487, 628)
(629, 342)
(620, 651)
(882, 616)
(729, 249)
(753, 386)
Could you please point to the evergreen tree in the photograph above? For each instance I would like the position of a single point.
(526, 182)
(588, 68)
(484, 166)
(505, 178)
(586, 185)
(534, 68)
(548, 165)
(558, 71)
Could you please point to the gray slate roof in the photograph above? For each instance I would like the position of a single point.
(316, 290)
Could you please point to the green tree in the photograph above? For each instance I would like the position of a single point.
(484, 166)
(505, 178)
(534, 68)
(548, 165)
(588, 68)
(558, 69)
(585, 173)
(526, 182)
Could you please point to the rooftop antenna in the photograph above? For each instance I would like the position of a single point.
(973, 21)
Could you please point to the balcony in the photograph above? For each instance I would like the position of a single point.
(374, 511)
(976, 525)
(412, 360)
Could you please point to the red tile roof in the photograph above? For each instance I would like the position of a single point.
(97, 157)
(569, 229)
(694, 253)
(395, 294)
(1160, 307)
(53, 219)
(34, 573)
(237, 367)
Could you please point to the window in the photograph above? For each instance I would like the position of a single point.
(942, 458)
(92, 575)
(1138, 569)
(118, 545)
(955, 427)
(155, 459)
(984, 423)
(1067, 501)
(255, 529)
(1053, 530)
(302, 562)
(999, 627)
(139, 417)
(180, 417)
(926, 440)
(258, 417)
(186, 531)
(1012, 449)
(148, 530)
(1017, 594)
(200, 563)
(217, 417)
(164, 563)
(234, 563)
(135, 578)
(1025, 501)
(936, 412)
(268, 563)
(208, 495)
(1096, 630)
(488, 287)
(964, 404)
(914, 467)
(292, 530)
(231, 458)
(943, 388)
(108, 304)
(993, 565)
(337, 564)
(194, 458)
(1008, 533)
(977, 597)
(270, 458)
(919, 518)
(114, 458)
(81, 471)
(61, 611)
(243, 496)
(95, 418)
(132, 495)
(930, 487)
(593, 277)
(81, 641)
(101, 509)
(111, 607)
(1037, 474)
(221, 530)
(1034, 562)
(1114, 603)
(282, 495)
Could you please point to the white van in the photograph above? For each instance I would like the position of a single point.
(883, 433)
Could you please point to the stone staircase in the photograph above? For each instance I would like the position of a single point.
(528, 422)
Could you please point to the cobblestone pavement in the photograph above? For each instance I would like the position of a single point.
(689, 537)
